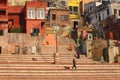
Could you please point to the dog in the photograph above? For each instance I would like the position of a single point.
(66, 67)
(34, 59)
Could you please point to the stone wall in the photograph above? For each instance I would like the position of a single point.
(89, 48)
(112, 53)
(20, 43)
(95, 48)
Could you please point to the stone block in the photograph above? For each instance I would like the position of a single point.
(89, 48)
(112, 53)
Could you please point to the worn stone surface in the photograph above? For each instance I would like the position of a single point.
(112, 53)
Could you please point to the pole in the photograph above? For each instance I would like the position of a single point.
(57, 54)
(56, 29)
(56, 43)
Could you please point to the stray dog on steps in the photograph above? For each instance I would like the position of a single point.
(66, 67)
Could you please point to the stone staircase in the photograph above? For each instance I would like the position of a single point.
(61, 49)
(65, 58)
(35, 71)
(46, 54)
(40, 66)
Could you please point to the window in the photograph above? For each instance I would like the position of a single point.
(90, 8)
(34, 31)
(1, 32)
(108, 12)
(17, 49)
(75, 10)
(24, 50)
(99, 17)
(0, 49)
(115, 11)
(53, 16)
(2, 12)
(63, 17)
(119, 12)
(96, 17)
(51, 4)
(31, 13)
(63, 3)
(70, 9)
(40, 13)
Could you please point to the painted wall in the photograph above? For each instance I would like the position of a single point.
(35, 23)
(15, 20)
(17, 2)
(74, 3)
(58, 14)
(83, 2)
(3, 14)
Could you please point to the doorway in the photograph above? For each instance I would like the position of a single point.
(17, 49)
(0, 50)
(75, 24)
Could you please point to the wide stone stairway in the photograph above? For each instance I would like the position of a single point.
(41, 66)
(37, 71)
(24, 67)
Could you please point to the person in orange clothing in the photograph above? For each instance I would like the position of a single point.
(111, 35)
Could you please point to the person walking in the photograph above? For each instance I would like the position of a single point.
(74, 64)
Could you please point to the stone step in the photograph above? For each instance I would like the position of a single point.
(16, 71)
(64, 58)
(59, 72)
(57, 68)
(61, 48)
(52, 66)
(60, 77)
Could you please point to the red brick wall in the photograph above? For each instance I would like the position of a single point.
(16, 20)
(58, 13)
(35, 23)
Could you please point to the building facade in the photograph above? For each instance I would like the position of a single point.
(35, 17)
(3, 16)
(104, 17)
(74, 8)
(59, 17)
(17, 2)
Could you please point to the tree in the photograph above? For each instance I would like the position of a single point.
(16, 30)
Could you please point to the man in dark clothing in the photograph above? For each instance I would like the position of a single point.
(78, 55)
(74, 64)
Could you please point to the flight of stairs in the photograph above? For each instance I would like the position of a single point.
(35, 71)
(40, 66)
(65, 58)
(47, 52)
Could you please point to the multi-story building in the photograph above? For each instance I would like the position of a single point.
(16, 18)
(74, 8)
(35, 17)
(59, 18)
(3, 16)
(82, 5)
(30, 18)
(103, 16)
